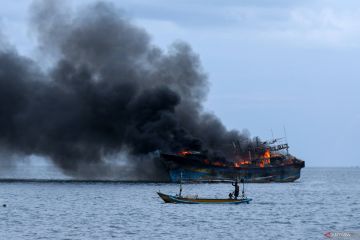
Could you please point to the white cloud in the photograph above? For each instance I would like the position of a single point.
(306, 26)
(326, 26)
(163, 32)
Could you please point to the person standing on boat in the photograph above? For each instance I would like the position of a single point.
(237, 189)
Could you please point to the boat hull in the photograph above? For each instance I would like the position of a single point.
(182, 200)
(194, 170)
(252, 175)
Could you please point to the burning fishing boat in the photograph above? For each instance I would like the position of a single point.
(266, 163)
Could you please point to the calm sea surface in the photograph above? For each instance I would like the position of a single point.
(324, 199)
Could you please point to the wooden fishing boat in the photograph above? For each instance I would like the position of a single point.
(195, 200)
(233, 197)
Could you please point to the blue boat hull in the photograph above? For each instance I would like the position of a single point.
(218, 174)
(183, 200)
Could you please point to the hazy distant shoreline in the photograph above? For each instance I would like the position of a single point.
(74, 180)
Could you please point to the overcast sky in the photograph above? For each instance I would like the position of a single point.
(270, 63)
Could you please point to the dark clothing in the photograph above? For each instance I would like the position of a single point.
(237, 189)
(236, 194)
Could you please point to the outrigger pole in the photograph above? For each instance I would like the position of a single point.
(180, 190)
(242, 180)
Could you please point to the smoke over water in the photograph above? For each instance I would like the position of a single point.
(108, 99)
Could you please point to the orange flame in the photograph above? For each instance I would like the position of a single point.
(241, 163)
(219, 164)
(266, 158)
(267, 154)
(184, 153)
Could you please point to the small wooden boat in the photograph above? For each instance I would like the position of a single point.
(178, 198)
(190, 200)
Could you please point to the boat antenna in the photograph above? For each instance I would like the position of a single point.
(286, 140)
(180, 190)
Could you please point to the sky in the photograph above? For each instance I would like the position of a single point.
(271, 64)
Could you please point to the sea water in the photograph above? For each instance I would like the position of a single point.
(322, 200)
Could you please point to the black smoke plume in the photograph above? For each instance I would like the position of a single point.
(106, 93)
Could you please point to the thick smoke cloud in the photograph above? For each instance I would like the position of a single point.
(108, 91)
